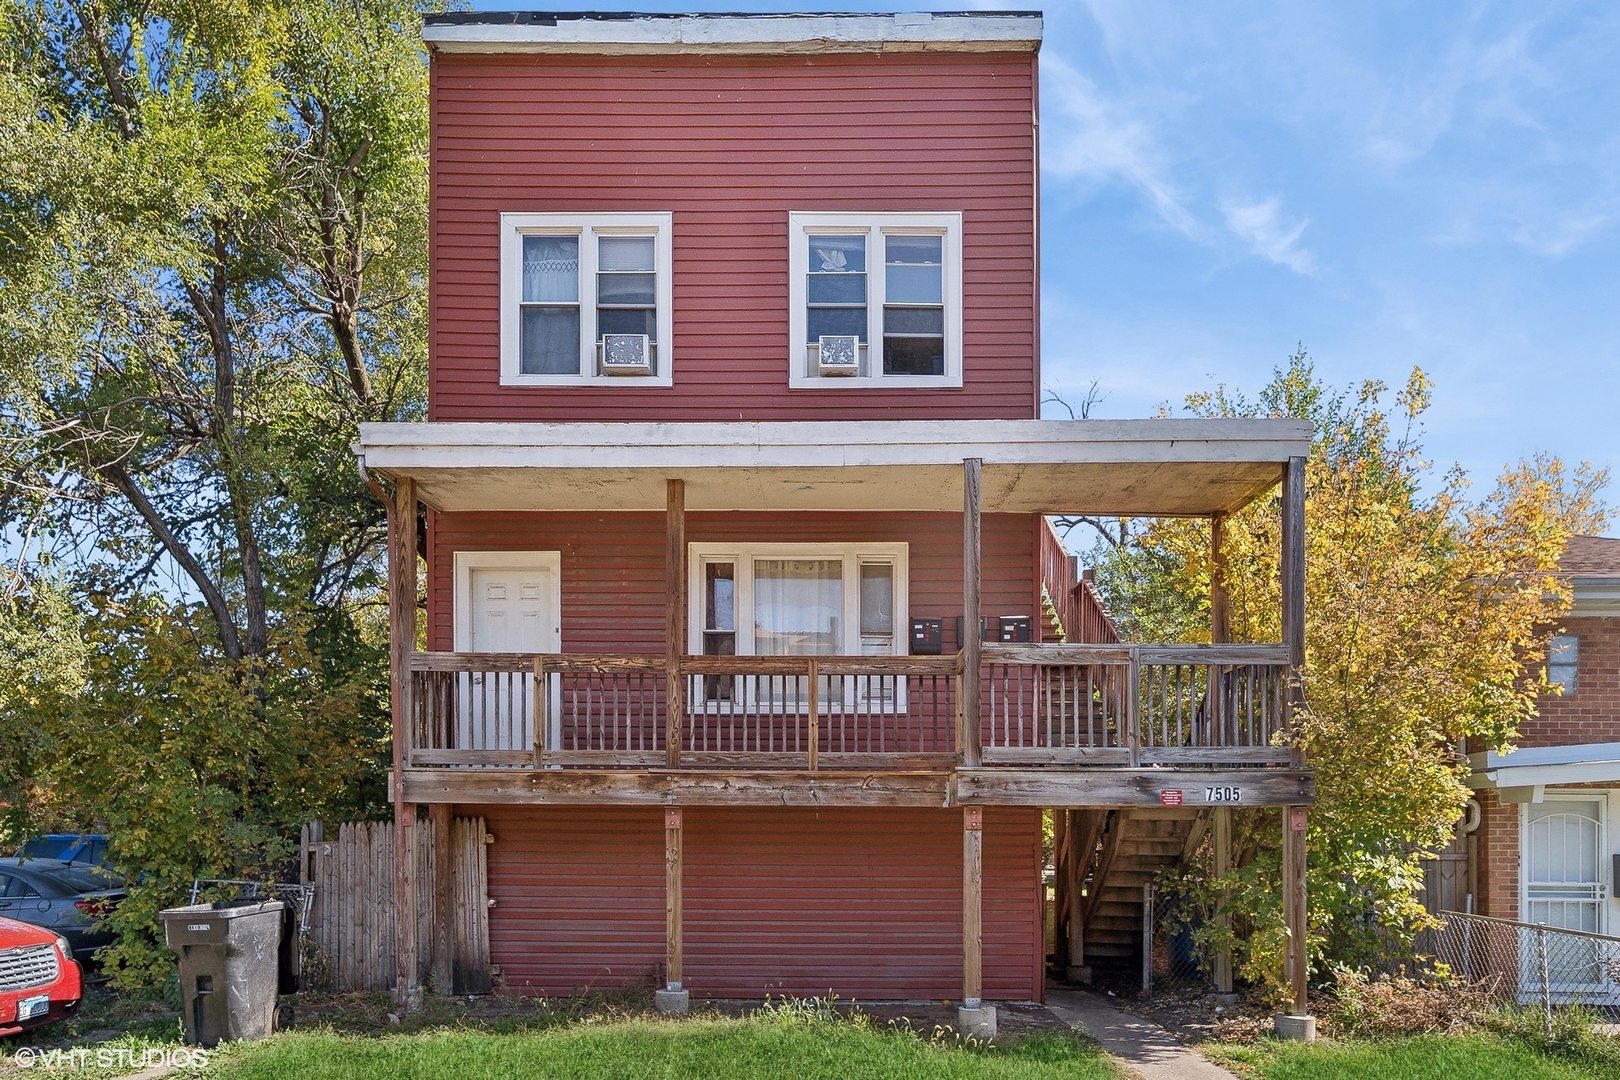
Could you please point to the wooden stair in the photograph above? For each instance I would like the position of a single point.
(1150, 840)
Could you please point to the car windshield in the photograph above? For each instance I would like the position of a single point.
(86, 879)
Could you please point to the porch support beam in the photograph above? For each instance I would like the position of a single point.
(1060, 885)
(402, 642)
(1112, 788)
(972, 637)
(1220, 632)
(1293, 581)
(443, 945)
(1221, 843)
(674, 615)
(1078, 788)
(974, 1017)
(1220, 597)
(690, 787)
(1294, 917)
(1084, 828)
(673, 998)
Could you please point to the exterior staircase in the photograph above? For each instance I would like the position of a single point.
(1149, 841)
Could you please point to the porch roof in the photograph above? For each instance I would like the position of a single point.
(1158, 467)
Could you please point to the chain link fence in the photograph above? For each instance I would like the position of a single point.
(1529, 963)
(1173, 962)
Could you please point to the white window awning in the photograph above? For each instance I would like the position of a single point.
(1113, 467)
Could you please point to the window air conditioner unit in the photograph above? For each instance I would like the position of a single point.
(626, 354)
(839, 354)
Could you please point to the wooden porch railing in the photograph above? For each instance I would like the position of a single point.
(1134, 704)
(1039, 705)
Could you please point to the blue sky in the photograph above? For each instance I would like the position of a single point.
(1392, 184)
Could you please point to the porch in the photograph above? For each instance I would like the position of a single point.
(1064, 724)
(859, 730)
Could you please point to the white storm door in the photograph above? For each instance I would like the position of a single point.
(1564, 888)
(506, 602)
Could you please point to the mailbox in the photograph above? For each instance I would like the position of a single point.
(927, 637)
(1016, 628)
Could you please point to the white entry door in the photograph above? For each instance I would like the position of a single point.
(1564, 887)
(506, 602)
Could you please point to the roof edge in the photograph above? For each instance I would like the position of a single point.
(594, 33)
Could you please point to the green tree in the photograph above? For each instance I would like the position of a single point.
(1425, 616)
(212, 268)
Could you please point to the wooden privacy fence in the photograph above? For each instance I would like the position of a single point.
(352, 914)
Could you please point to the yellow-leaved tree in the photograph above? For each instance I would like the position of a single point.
(1426, 618)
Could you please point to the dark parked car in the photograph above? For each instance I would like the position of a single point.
(62, 897)
(88, 848)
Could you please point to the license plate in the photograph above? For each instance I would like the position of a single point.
(28, 1008)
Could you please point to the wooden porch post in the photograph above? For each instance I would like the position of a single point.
(971, 636)
(1220, 630)
(972, 906)
(402, 643)
(674, 616)
(1220, 598)
(1083, 828)
(1221, 841)
(443, 944)
(1060, 885)
(1294, 909)
(673, 998)
(1293, 579)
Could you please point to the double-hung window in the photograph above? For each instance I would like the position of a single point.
(586, 298)
(798, 600)
(1564, 663)
(875, 299)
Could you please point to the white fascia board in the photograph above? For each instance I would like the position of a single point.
(1571, 754)
(746, 34)
(1546, 766)
(1595, 597)
(767, 445)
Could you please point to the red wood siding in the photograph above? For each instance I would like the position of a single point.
(613, 564)
(730, 145)
(866, 903)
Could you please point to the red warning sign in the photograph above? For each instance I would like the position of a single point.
(1170, 797)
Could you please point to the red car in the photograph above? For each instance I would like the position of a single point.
(40, 982)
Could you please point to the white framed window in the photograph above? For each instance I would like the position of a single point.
(1564, 663)
(797, 599)
(892, 282)
(569, 281)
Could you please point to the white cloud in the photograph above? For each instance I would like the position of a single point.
(1087, 136)
(1261, 226)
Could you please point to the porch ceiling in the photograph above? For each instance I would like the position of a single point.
(1127, 467)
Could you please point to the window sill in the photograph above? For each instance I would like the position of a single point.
(864, 382)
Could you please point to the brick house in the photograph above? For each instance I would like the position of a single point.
(746, 630)
(1547, 843)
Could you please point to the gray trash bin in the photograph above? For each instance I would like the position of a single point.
(228, 967)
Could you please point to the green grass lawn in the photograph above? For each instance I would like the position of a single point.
(635, 1049)
(1479, 1056)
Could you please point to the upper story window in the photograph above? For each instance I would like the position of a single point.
(875, 299)
(1563, 662)
(586, 299)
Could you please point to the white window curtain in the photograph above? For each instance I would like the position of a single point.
(798, 607)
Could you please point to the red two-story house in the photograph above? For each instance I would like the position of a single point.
(745, 628)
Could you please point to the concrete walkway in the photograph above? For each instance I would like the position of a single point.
(1144, 1047)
